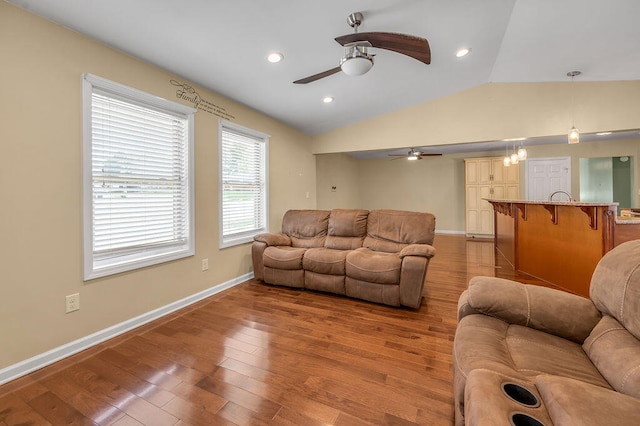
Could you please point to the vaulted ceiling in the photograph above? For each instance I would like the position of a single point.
(223, 45)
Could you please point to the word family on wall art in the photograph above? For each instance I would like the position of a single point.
(189, 94)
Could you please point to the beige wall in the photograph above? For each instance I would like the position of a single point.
(430, 184)
(341, 171)
(40, 173)
(605, 148)
(436, 184)
(40, 190)
(494, 111)
(484, 113)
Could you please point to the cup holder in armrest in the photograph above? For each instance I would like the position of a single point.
(520, 419)
(521, 395)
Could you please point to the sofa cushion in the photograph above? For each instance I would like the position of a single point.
(324, 282)
(392, 230)
(283, 257)
(616, 354)
(347, 229)
(307, 228)
(571, 402)
(377, 293)
(324, 261)
(485, 342)
(375, 267)
(286, 277)
(615, 285)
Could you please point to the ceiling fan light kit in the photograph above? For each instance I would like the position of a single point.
(413, 155)
(358, 61)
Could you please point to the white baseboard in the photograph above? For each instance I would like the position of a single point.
(450, 232)
(27, 366)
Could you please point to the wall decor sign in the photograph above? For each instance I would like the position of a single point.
(189, 94)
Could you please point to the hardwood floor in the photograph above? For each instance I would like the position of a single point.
(259, 354)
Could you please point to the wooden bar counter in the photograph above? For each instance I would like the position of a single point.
(557, 242)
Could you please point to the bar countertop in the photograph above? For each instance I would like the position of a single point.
(552, 203)
(621, 220)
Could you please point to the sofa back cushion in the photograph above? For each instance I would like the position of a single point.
(347, 229)
(615, 285)
(392, 230)
(307, 228)
(615, 353)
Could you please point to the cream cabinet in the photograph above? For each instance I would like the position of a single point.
(487, 178)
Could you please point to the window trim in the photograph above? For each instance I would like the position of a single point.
(91, 83)
(246, 238)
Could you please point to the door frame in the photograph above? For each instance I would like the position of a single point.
(567, 164)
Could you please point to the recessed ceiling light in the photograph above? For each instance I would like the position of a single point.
(275, 57)
(514, 139)
(603, 133)
(463, 52)
(327, 99)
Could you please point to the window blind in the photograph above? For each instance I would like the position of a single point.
(243, 192)
(140, 184)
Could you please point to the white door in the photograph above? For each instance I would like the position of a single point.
(547, 175)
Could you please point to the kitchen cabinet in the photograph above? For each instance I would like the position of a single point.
(487, 178)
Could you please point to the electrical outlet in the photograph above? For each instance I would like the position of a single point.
(205, 264)
(73, 302)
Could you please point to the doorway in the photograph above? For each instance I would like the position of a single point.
(547, 175)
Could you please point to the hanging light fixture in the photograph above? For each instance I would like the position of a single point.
(522, 154)
(507, 158)
(516, 156)
(574, 134)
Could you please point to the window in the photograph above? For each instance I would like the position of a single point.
(243, 157)
(137, 179)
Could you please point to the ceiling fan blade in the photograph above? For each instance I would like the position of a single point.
(430, 155)
(415, 47)
(318, 76)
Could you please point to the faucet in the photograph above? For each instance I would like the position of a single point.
(561, 192)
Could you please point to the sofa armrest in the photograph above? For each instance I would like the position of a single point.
(424, 250)
(552, 311)
(273, 239)
(573, 402)
(464, 308)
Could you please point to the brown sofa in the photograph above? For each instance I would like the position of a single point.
(380, 256)
(579, 358)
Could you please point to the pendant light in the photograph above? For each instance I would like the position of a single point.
(506, 161)
(516, 156)
(574, 135)
(522, 153)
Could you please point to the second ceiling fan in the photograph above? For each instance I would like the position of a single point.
(357, 60)
(413, 155)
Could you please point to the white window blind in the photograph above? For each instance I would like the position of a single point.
(243, 183)
(138, 179)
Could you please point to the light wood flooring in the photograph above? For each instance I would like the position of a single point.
(260, 354)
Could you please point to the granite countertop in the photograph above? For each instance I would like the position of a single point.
(552, 203)
(627, 220)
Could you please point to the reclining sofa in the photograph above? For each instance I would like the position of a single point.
(379, 256)
(529, 355)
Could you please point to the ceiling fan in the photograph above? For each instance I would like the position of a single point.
(413, 155)
(357, 60)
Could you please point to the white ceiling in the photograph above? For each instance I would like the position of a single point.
(222, 45)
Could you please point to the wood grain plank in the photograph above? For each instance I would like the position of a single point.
(260, 354)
